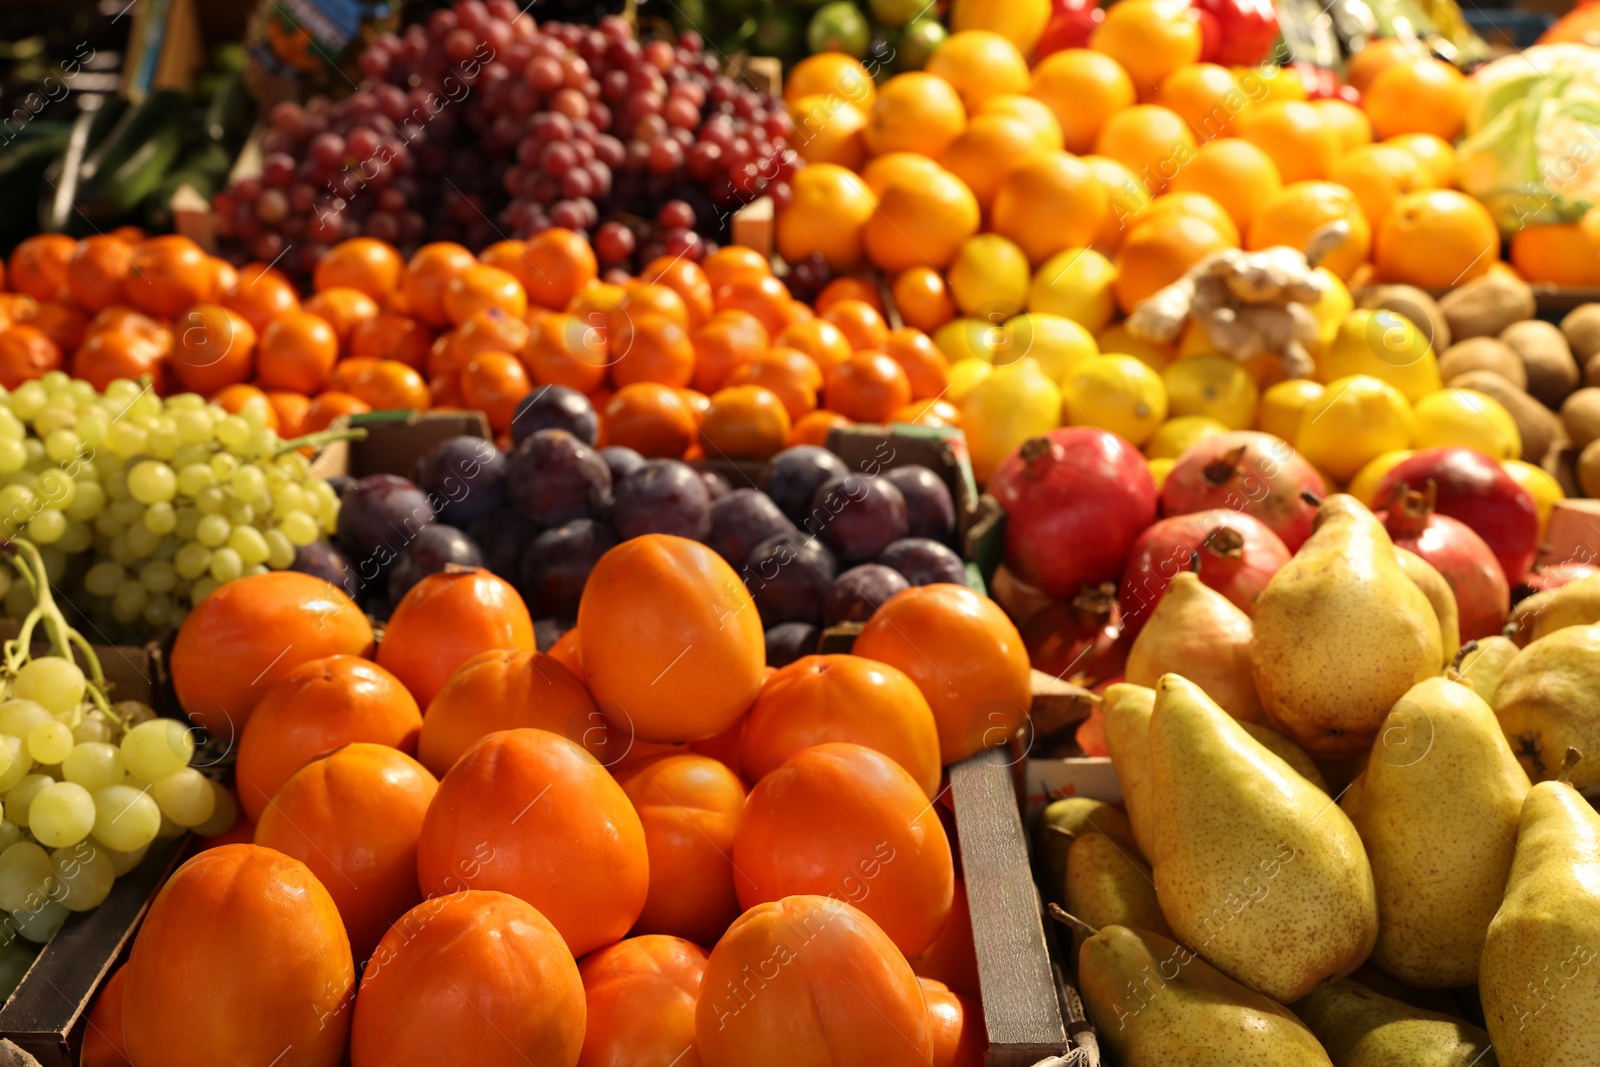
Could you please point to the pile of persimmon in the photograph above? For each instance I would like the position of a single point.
(645, 847)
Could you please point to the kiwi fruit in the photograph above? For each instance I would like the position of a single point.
(1580, 414)
(1412, 304)
(1582, 330)
(1589, 469)
(1485, 354)
(1485, 306)
(1537, 425)
(1547, 360)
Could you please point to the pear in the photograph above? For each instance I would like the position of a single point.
(1154, 1003)
(1546, 704)
(1127, 711)
(1288, 751)
(1197, 632)
(1483, 662)
(1107, 884)
(1255, 867)
(1575, 604)
(1440, 597)
(1341, 633)
(1437, 809)
(1362, 1028)
(1437, 1001)
(1540, 974)
(1064, 820)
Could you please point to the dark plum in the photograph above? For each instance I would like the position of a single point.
(665, 497)
(328, 563)
(466, 477)
(377, 517)
(924, 562)
(716, 485)
(433, 549)
(552, 478)
(621, 461)
(742, 520)
(793, 476)
(930, 510)
(788, 641)
(859, 515)
(860, 591)
(555, 407)
(789, 576)
(502, 538)
(557, 564)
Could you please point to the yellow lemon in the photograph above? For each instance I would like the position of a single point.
(964, 377)
(1076, 283)
(1118, 339)
(1058, 343)
(1283, 404)
(1544, 489)
(1116, 393)
(989, 277)
(961, 339)
(1177, 435)
(1159, 469)
(1010, 405)
(1212, 385)
(1385, 346)
(1330, 311)
(1466, 418)
(1355, 420)
(1364, 486)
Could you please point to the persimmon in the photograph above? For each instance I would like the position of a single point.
(840, 818)
(684, 277)
(167, 274)
(331, 405)
(38, 265)
(959, 1036)
(560, 263)
(445, 620)
(473, 976)
(494, 383)
(236, 398)
(564, 350)
(724, 747)
(689, 806)
(818, 699)
(388, 335)
(483, 288)
(867, 387)
(353, 817)
(26, 353)
(296, 351)
(813, 429)
(342, 308)
(810, 979)
(744, 422)
(248, 633)
(241, 958)
(261, 293)
(361, 263)
(966, 657)
(565, 652)
(952, 958)
(291, 409)
(214, 347)
(652, 419)
(107, 356)
(727, 342)
(391, 386)
(530, 813)
(490, 330)
(103, 1045)
(650, 347)
(674, 648)
(427, 277)
(788, 373)
(64, 324)
(504, 689)
(312, 709)
(641, 997)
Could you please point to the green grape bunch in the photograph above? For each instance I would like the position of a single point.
(141, 505)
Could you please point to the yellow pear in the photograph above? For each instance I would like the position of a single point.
(1107, 884)
(1197, 632)
(1359, 1027)
(1482, 663)
(1440, 597)
(1127, 711)
(1546, 704)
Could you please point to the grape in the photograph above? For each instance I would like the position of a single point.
(85, 874)
(61, 814)
(10, 834)
(122, 862)
(39, 924)
(224, 814)
(226, 565)
(213, 531)
(125, 818)
(50, 743)
(18, 717)
(93, 765)
(15, 762)
(56, 684)
(248, 543)
(186, 798)
(25, 876)
(21, 796)
(157, 749)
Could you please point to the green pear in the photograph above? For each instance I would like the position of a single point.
(1127, 711)
(1546, 704)
(1288, 751)
(1154, 1003)
(1341, 633)
(1483, 663)
(1108, 885)
(1540, 974)
(1362, 1028)
(1440, 597)
(1066, 819)
(1255, 867)
(1437, 809)
(1197, 632)
(1575, 604)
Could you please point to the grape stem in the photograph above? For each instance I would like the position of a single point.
(317, 440)
(63, 638)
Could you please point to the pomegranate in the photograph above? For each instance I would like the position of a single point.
(1234, 553)
(1078, 640)
(1474, 489)
(1248, 471)
(1483, 598)
(1075, 499)
(1554, 576)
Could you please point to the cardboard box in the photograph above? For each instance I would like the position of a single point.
(394, 441)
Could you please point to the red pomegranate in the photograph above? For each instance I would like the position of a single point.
(1075, 499)
(1256, 473)
(1483, 598)
(1234, 553)
(1554, 576)
(1078, 640)
(1474, 489)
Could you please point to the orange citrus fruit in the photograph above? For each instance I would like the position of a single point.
(1418, 95)
(1435, 153)
(1153, 142)
(915, 112)
(1125, 198)
(1158, 251)
(830, 72)
(1567, 254)
(1302, 144)
(1378, 56)
(920, 221)
(991, 147)
(1235, 173)
(1034, 112)
(1049, 203)
(1348, 121)
(827, 214)
(829, 130)
(1082, 89)
(1378, 175)
(1436, 239)
(1299, 210)
(979, 64)
(1206, 96)
(1192, 205)
(1150, 38)
(923, 297)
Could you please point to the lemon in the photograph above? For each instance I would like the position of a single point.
(1118, 339)
(1214, 386)
(1355, 420)
(1159, 469)
(1330, 311)
(1058, 343)
(1282, 404)
(1010, 405)
(965, 377)
(989, 278)
(1386, 346)
(961, 339)
(1544, 489)
(1178, 434)
(1467, 419)
(1075, 283)
(1364, 486)
(1116, 393)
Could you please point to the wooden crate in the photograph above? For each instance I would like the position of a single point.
(394, 441)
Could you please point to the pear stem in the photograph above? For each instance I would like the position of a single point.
(1571, 761)
(1071, 921)
(1466, 650)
